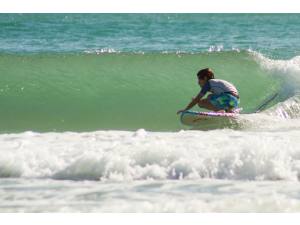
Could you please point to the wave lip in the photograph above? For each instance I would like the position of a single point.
(288, 71)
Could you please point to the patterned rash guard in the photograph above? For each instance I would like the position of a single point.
(218, 86)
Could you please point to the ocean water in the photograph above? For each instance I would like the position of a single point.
(88, 108)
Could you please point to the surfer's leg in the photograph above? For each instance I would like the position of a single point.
(205, 103)
(230, 110)
(224, 101)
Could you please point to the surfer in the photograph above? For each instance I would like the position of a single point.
(224, 96)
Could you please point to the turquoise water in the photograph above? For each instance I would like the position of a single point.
(273, 34)
(84, 72)
(116, 91)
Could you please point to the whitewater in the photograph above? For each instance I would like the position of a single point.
(88, 119)
(121, 171)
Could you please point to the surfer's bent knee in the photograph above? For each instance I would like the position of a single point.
(202, 102)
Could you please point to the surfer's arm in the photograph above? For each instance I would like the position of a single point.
(196, 99)
(192, 103)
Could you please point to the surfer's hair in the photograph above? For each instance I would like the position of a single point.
(207, 72)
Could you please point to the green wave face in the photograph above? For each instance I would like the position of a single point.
(84, 92)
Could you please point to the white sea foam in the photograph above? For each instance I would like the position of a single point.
(216, 48)
(101, 51)
(142, 155)
(283, 67)
(142, 171)
(288, 70)
(207, 195)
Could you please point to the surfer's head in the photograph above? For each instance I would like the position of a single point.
(204, 75)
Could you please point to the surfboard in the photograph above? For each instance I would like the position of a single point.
(193, 118)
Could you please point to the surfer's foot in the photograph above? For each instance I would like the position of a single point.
(230, 110)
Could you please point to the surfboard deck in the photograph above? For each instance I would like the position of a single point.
(193, 118)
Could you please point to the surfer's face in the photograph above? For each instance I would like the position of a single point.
(201, 82)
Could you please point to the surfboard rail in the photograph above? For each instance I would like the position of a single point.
(194, 118)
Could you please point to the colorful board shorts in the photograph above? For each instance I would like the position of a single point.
(224, 101)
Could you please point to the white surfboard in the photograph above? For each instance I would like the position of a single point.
(198, 119)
